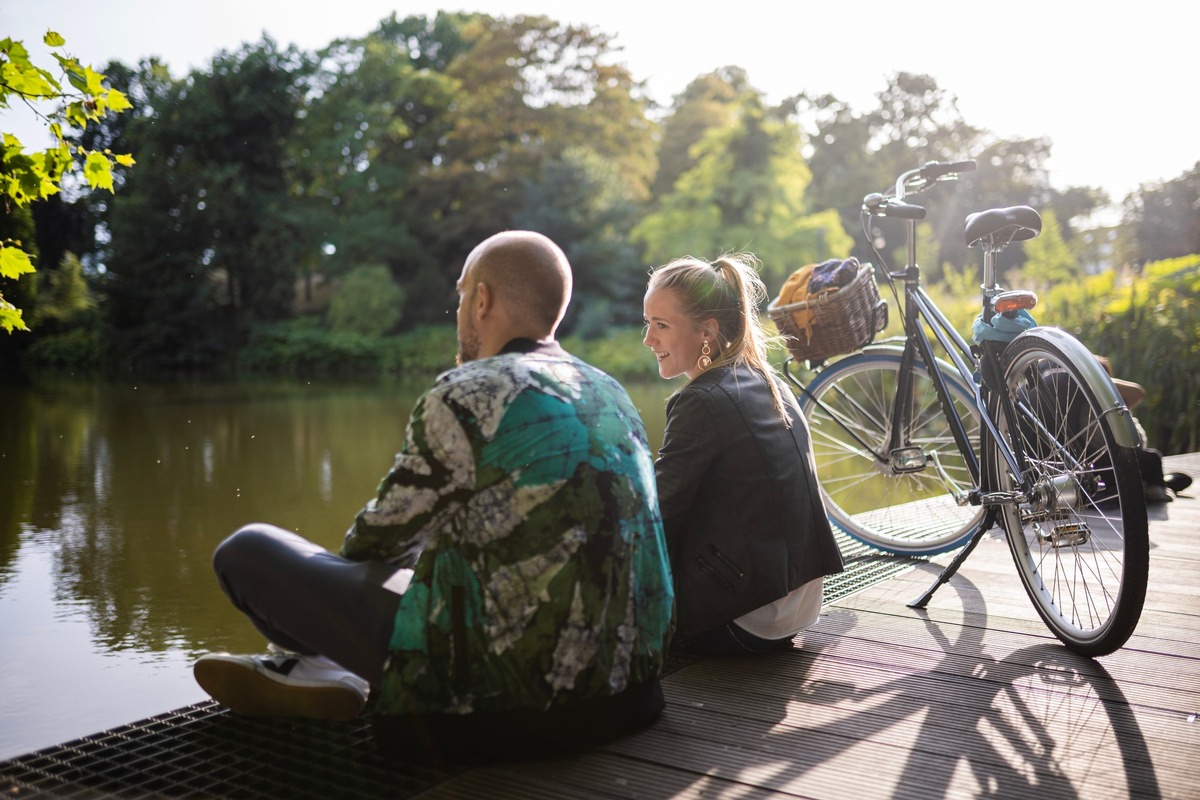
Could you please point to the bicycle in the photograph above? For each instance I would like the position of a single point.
(920, 452)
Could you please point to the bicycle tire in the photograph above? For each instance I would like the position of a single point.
(1081, 543)
(910, 513)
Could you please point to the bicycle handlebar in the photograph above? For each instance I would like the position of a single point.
(912, 182)
(935, 169)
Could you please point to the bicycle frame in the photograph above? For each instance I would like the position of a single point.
(972, 366)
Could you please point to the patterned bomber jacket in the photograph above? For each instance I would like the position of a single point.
(524, 500)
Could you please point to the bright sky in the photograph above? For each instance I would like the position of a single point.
(1110, 84)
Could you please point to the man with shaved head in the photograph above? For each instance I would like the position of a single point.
(516, 284)
(507, 589)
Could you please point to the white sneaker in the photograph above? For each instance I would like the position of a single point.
(282, 684)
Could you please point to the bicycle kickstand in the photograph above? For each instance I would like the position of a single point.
(951, 568)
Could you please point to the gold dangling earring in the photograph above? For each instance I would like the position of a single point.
(705, 359)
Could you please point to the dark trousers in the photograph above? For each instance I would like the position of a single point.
(306, 599)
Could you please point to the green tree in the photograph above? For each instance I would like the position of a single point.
(1048, 260)
(1166, 217)
(80, 98)
(205, 244)
(375, 127)
(854, 153)
(530, 89)
(839, 152)
(746, 192)
(582, 200)
(424, 136)
(1074, 206)
(709, 101)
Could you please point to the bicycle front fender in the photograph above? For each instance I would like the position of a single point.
(1121, 419)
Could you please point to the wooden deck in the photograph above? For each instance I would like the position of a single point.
(971, 697)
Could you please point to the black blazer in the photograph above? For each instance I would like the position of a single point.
(741, 509)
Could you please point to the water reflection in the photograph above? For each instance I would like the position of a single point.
(112, 498)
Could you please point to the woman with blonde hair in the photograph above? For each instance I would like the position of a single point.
(746, 531)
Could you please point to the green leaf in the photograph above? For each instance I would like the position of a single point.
(10, 317)
(117, 101)
(77, 115)
(14, 262)
(53, 39)
(28, 81)
(95, 85)
(76, 72)
(15, 50)
(98, 171)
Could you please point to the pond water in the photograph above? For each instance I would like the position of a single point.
(112, 498)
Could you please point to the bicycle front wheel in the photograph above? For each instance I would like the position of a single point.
(1079, 538)
(901, 508)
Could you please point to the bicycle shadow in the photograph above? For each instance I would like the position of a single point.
(1039, 721)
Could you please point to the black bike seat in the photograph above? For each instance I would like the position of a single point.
(1017, 223)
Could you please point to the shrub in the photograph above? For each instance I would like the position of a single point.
(425, 350)
(301, 346)
(1148, 325)
(76, 349)
(368, 302)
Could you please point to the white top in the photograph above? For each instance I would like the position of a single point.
(788, 615)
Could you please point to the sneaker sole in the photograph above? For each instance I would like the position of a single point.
(244, 690)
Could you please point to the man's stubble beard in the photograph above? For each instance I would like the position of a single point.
(468, 343)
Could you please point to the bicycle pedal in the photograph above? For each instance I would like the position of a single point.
(1072, 534)
(1001, 499)
(908, 459)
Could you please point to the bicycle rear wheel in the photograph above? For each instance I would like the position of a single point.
(1080, 542)
(848, 406)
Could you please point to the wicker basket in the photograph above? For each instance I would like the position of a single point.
(843, 321)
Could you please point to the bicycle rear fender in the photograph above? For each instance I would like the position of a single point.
(1121, 420)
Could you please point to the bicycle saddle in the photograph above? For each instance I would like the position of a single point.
(1012, 224)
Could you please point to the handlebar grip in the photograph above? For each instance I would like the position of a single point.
(904, 210)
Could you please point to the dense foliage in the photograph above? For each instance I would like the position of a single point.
(74, 97)
(307, 212)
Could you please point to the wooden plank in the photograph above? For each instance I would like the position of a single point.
(593, 775)
(971, 696)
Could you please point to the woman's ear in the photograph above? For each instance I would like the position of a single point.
(711, 328)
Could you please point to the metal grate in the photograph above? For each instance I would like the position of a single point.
(203, 751)
(865, 566)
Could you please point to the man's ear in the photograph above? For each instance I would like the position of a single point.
(485, 300)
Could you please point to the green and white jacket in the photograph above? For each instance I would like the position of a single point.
(524, 500)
